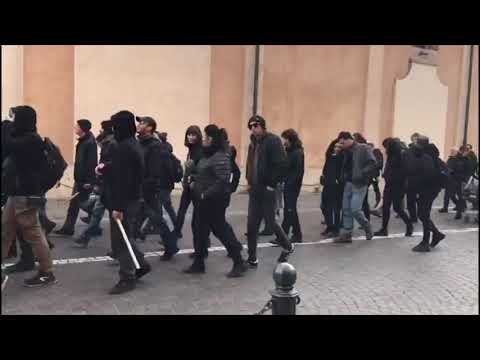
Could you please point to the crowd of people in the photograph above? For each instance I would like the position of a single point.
(136, 171)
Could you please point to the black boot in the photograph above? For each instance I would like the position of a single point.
(198, 267)
(122, 287)
(458, 215)
(409, 231)
(436, 238)
(238, 270)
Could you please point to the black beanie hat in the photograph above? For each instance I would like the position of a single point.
(107, 126)
(84, 124)
(257, 119)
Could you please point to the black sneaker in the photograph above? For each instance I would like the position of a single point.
(422, 247)
(238, 270)
(296, 239)
(167, 256)
(286, 254)
(81, 242)
(443, 211)
(19, 267)
(41, 279)
(143, 271)
(381, 232)
(4, 281)
(195, 268)
(62, 231)
(436, 238)
(252, 262)
(122, 287)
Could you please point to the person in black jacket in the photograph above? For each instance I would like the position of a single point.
(423, 182)
(83, 174)
(24, 146)
(293, 183)
(266, 166)
(125, 175)
(449, 188)
(106, 141)
(412, 199)
(394, 191)
(166, 191)
(193, 141)
(212, 190)
(461, 171)
(157, 177)
(332, 191)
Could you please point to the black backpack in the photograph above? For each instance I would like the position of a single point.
(177, 169)
(53, 167)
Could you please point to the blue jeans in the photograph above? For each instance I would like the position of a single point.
(353, 197)
(95, 219)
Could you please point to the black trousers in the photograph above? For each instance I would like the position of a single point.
(456, 195)
(366, 206)
(152, 209)
(376, 189)
(393, 193)
(412, 204)
(165, 196)
(290, 214)
(74, 206)
(447, 194)
(425, 202)
(261, 203)
(332, 196)
(185, 201)
(119, 248)
(210, 216)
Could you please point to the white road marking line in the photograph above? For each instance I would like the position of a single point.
(261, 245)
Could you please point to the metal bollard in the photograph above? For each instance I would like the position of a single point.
(284, 298)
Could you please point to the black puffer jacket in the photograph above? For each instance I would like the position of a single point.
(272, 160)
(212, 176)
(394, 172)
(22, 143)
(157, 175)
(419, 169)
(85, 160)
(461, 168)
(295, 169)
(127, 164)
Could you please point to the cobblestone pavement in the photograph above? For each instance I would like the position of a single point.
(382, 276)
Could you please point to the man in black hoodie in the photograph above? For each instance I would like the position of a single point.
(461, 171)
(125, 174)
(394, 191)
(423, 181)
(157, 176)
(449, 188)
(266, 166)
(83, 173)
(25, 195)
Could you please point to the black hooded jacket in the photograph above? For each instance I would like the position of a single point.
(85, 160)
(461, 168)
(394, 172)
(158, 172)
(420, 168)
(295, 169)
(332, 170)
(127, 163)
(272, 160)
(21, 142)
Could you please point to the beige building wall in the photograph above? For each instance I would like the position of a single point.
(12, 77)
(318, 90)
(169, 83)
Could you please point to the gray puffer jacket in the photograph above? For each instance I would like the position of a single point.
(212, 176)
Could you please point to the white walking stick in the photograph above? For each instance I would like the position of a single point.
(124, 235)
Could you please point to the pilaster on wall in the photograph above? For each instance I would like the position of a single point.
(48, 84)
(12, 77)
(373, 101)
